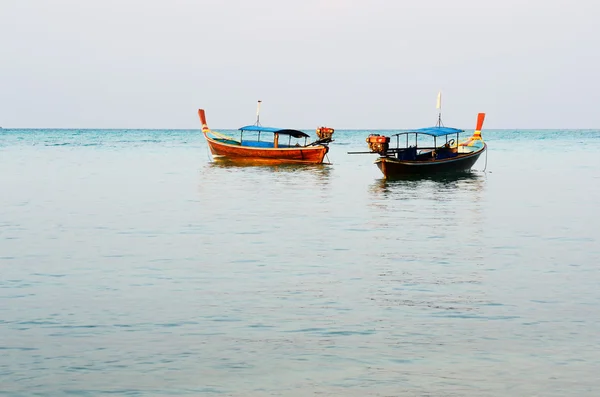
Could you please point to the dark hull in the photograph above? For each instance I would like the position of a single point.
(393, 168)
(304, 155)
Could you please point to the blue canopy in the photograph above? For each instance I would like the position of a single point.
(283, 131)
(433, 131)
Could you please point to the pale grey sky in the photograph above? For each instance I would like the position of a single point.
(342, 63)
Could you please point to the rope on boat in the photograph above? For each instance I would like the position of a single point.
(485, 166)
(222, 136)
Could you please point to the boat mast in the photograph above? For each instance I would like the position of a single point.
(439, 107)
(258, 113)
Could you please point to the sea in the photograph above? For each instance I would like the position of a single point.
(131, 264)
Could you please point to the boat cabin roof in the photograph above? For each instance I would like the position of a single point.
(433, 131)
(281, 131)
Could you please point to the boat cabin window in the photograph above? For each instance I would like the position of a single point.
(424, 141)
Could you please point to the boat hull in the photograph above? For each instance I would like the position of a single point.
(393, 168)
(303, 154)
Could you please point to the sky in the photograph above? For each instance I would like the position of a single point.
(376, 64)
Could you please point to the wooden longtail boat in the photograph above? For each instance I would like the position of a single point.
(412, 157)
(266, 151)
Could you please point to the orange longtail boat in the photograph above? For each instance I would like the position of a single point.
(279, 150)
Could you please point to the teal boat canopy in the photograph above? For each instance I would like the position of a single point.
(282, 131)
(433, 131)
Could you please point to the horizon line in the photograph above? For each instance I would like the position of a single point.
(301, 129)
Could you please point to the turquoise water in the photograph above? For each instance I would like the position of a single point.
(132, 265)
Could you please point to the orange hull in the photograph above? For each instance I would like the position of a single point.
(303, 154)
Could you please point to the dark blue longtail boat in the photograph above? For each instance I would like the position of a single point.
(416, 153)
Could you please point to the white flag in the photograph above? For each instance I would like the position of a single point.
(439, 100)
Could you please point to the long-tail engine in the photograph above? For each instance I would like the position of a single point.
(378, 143)
(325, 132)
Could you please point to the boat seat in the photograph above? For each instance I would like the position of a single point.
(409, 153)
(445, 154)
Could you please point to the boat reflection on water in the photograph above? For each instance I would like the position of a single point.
(293, 174)
(323, 169)
(413, 186)
(442, 202)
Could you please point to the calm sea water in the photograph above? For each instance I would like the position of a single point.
(132, 265)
